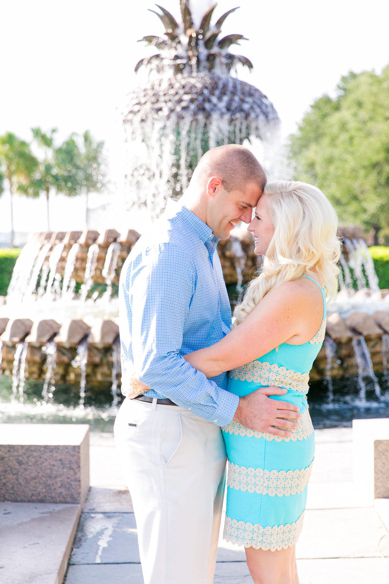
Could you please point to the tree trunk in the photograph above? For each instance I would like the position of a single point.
(48, 208)
(376, 229)
(86, 211)
(12, 233)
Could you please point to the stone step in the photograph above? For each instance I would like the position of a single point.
(36, 541)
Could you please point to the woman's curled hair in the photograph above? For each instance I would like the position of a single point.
(304, 239)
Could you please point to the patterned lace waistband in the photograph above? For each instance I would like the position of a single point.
(303, 431)
(264, 373)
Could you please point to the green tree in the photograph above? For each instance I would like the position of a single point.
(60, 168)
(93, 168)
(18, 166)
(342, 145)
(68, 161)
(46, 175)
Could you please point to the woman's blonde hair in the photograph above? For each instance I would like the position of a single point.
(304, 239)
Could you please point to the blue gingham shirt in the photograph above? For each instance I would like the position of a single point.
(173, 301)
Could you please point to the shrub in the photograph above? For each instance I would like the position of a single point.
(380, 255)
(8, 259)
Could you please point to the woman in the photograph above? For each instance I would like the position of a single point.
(279, 330)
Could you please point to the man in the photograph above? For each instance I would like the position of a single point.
(173, 301)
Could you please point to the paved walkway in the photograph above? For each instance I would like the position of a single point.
(345, 539)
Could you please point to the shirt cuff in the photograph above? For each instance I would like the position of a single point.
(227, 406)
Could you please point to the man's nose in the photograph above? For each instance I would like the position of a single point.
(247, 215)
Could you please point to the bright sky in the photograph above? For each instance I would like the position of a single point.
(69, 63)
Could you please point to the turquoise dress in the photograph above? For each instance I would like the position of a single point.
(268, 475)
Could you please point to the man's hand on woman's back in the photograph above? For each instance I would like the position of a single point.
(262, 414)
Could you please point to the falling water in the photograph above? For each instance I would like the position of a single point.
(355, 261)
(110, 266)
(385, 355)
(193, 114)
(80, 361)
(240, 261)
(36, 270)
(22, 271)
(89, 271)
(115, 370)
(51, 356)
(18, 371)
(52, 284)
(346, 272)
(43, 282)
(330, 349)
(365, 367)
(368, 265)
(69, 283)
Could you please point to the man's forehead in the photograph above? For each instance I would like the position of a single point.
(251, 195)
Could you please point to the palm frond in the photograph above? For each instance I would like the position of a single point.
(170, 18)
(156, 41)
(244, 61)
(206, 20)
(210, 38)
(165, 21)
(186, 15)
(146, 61)
(229, 40)
(172, 36)
(221, 20)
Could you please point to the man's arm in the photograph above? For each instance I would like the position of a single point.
(160, 291)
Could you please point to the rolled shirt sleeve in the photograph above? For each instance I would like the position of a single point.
(156, 296)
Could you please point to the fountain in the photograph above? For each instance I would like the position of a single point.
(73, 337)
(59, 324)
(190, 103)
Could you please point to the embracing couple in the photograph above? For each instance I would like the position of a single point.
(198, 390)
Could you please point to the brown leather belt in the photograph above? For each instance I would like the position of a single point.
(160, 401)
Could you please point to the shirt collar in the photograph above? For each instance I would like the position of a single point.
(203, 231)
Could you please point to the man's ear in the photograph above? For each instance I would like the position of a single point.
(214, 185)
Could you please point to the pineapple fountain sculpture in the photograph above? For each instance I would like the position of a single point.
(191, 103)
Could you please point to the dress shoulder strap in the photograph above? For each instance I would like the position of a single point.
(323, 292)
(313, 280)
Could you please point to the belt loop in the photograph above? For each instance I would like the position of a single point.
(154, 406)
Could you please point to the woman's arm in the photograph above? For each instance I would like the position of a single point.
(283, 313)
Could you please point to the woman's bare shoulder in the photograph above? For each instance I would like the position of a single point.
(295, 289)
(295, 294)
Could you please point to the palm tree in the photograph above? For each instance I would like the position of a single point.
(46, 176)
(93, 168)
(191, 103)
(18, 166)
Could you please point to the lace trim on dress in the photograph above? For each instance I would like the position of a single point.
(319, 336)
(268, 482)
(266, 374)
(275, 538)
(304, 430)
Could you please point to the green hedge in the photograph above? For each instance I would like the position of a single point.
(8, 259)
(380, 255)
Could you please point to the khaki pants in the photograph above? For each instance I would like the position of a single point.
(174, 464)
